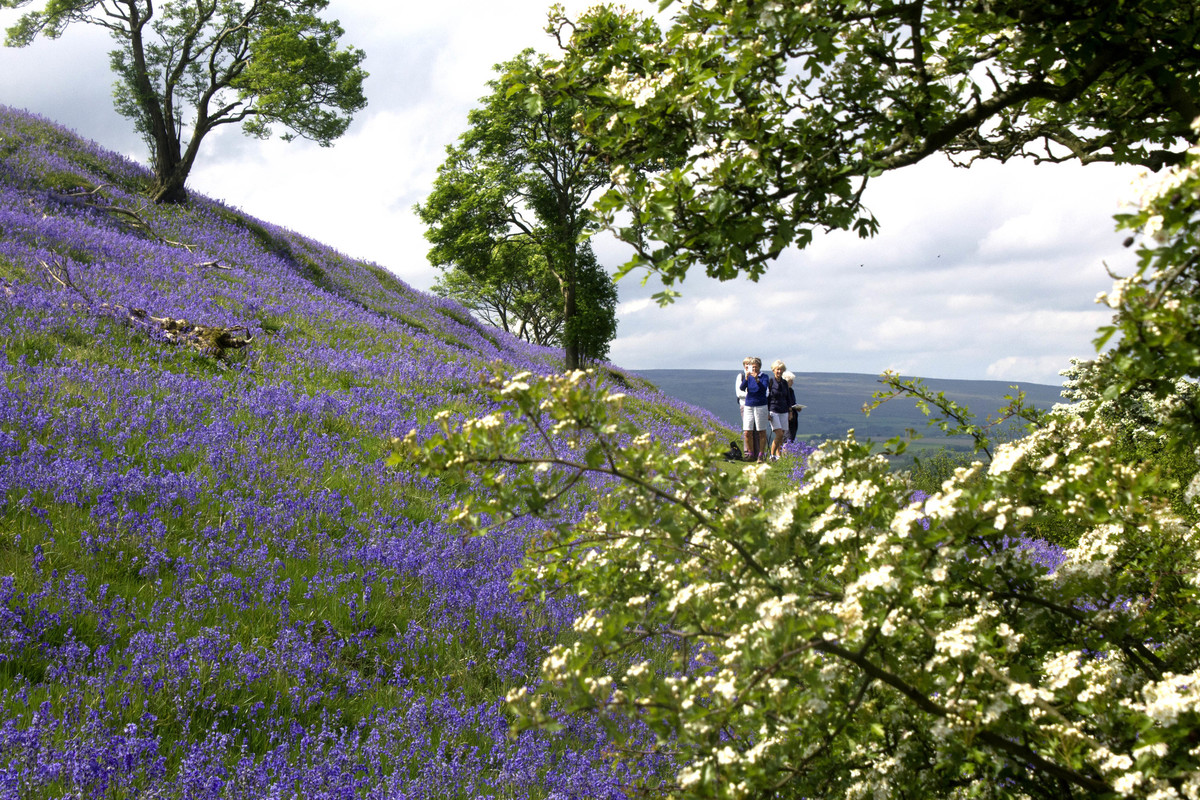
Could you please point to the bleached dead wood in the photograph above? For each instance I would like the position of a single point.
(90, 198)
(212, 340)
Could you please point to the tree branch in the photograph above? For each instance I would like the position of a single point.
(1020, 751)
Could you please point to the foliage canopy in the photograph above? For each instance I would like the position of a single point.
(786, 110)
(839, 639)
(842, 638)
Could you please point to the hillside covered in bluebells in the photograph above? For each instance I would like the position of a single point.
(212, 584)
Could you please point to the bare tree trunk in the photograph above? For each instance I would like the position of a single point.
(169, 185)
(172, 165)
(170, 173)
(570, 336)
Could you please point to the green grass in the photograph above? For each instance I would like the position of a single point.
(183, 558)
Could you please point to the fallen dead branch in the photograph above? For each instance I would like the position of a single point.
(211, 340)
(60, 274)
(91, 198)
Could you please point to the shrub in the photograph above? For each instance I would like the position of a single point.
(837, 639)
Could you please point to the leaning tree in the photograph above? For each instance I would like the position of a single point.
(186, 68)
(519, 294)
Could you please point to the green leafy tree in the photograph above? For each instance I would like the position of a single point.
(835, 639)
(186, 68)
(520, 295)
(519, 181)
(595, 323)
(786, 110)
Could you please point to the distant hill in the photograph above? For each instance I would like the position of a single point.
(834, 401)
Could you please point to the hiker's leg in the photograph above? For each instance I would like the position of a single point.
(747, 432)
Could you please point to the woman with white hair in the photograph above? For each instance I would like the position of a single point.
(780, 399)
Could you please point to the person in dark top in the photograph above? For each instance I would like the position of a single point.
(780, 401)
(794, 411)
(755, 415)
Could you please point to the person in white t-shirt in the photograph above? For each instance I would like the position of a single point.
(738, 391)
(740, 394)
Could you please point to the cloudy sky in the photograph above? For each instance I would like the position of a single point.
(989, 273)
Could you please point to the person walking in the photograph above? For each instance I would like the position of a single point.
(755, 414)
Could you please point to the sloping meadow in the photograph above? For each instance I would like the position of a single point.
(211, 583)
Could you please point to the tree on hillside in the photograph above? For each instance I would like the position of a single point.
(594, 325)
(517, 184)
(522, 298)
(186, 68)
(520, 295)
(838, 638)
(786, 110)
(841, 638)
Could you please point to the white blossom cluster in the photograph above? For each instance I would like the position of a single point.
(753, 625)
(637, 89)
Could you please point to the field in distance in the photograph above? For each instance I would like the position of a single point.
(834, 400)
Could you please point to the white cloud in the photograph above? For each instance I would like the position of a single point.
(628, 309)
(1027, 233)
(1015, 368)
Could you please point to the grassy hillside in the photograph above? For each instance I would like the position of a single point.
(211, 585)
